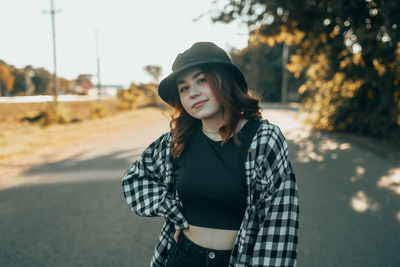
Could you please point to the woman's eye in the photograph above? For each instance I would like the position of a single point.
(202, 80)
(183, 88)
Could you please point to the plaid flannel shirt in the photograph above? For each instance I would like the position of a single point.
(268, 235)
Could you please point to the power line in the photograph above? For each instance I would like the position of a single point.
(53, 12)
(98, 66)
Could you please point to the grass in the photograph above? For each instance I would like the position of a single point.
(12, 113)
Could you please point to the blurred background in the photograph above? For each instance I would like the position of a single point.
(79, 103)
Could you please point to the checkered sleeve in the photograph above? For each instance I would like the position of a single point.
(278, 205)
(144, 185)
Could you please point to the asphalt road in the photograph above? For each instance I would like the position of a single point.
(72, 213)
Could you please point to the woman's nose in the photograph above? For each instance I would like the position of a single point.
(194, 91)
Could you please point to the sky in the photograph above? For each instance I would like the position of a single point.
(131, 34)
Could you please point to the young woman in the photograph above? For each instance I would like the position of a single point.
(221, 177)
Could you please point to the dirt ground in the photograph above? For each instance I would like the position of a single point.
(23, 146)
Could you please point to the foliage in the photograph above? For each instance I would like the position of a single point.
(139, 95)
(98, 110)
(70, 112)
(262, 66)
(59, 113)
(154, 71)
(64, 86)
(29, 72)
(6, 79)
(349, 52)
(52, 113)
(20, 81)
(30, 81)
(43, 81)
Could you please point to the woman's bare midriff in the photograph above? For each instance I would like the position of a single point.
(218, 239)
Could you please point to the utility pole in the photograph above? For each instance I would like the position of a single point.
(98, 67)
(52, 13)
(285, 55)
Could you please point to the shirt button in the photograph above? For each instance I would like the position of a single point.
(211, 255)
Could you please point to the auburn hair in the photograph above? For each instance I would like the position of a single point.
(235, 104)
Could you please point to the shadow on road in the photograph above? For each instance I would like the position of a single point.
(84, 221)
(73, 224)
(116, 161)
(349, 215)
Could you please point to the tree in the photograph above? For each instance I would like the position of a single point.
(64, 85)
(6, 79)
(262, 66)
(29, 72)
(29, 81)
(154, 71)
(349, 52)
(139, 95)
(43, 81)
(20, 81)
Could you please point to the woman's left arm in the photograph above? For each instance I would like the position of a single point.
(278, 207)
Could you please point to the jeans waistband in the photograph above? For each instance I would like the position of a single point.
(199, 250)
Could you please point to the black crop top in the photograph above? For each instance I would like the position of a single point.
(211, 180)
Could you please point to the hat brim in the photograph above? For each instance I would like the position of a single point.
(168, 85)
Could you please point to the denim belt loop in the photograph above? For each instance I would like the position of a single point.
(207, 259)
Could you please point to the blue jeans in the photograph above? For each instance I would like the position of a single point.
(186, 253)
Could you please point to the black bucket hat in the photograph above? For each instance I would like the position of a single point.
(200, 53)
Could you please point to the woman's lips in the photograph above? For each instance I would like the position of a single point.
(199, 104)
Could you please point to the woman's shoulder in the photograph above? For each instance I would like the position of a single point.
(267, 129)
(266, 126)
(162, 142)
(165, 137)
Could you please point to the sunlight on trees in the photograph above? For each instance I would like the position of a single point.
(6, 79)
(139, 95)
(348, 54)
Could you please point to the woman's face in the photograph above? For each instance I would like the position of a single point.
(196, 96)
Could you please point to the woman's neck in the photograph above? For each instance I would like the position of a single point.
(212, 125)
(211, 128)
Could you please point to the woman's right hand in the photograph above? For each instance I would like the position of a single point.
(176, 235)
